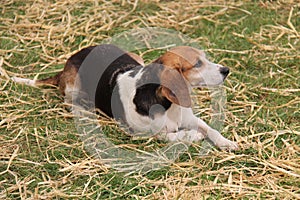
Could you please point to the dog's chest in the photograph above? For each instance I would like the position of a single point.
(174, 118)
(158, 119)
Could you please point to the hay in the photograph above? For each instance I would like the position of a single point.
(42, 156)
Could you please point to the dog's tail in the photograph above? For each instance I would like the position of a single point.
(51, 81)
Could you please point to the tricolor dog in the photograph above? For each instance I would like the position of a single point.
(153, 98)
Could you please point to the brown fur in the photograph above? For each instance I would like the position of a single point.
(174, 87)
(49, 81)
(67, 77)
(183, 59)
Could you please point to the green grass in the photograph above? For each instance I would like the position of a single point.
(42, 155)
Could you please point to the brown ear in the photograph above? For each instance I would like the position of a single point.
(136, 58)
(174, 88)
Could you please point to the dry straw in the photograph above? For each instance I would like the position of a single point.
(41, 157)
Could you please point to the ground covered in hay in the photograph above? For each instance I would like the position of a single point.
(42, 156)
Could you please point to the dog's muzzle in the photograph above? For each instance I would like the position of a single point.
(224, 71)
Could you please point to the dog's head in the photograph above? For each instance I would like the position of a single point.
(194, 66)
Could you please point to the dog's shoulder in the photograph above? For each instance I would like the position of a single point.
(107, 93)
(144, 85)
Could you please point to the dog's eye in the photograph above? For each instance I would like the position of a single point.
(198, 64)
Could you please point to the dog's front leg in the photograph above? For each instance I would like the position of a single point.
(189, 120)
(185, 136)
(216, 137)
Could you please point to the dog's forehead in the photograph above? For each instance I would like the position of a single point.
(188, 53)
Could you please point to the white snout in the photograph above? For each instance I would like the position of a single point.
(210, 75)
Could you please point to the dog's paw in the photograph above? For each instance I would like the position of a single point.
(186, 136)
(227, 145)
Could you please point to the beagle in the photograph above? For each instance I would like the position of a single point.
(153, 98)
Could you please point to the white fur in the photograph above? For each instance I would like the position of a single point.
(211, 75)
(207, 75)
(177, 123)
(71, 93)
(195, 129)
(127, 85)
(25, 81)
(167, 126)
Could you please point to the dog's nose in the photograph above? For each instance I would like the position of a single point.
(224, 71)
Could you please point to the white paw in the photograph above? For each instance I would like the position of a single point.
(194, 136)
(184, 136)
(225, 144)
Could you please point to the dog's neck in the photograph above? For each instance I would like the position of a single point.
(149, 102)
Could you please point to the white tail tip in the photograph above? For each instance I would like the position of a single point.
(25, 81)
